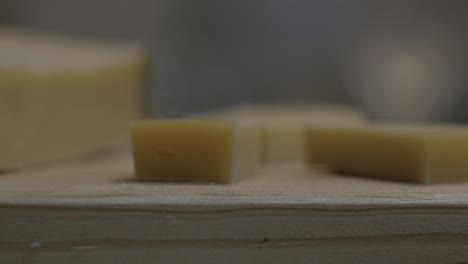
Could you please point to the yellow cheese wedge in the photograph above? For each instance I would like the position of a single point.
(420, 154)
(184, 150)
(61, 98)
(284, 125)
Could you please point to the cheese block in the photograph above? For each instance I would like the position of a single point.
(61, 98)
(184, 150)
(420, 154)
(284, 125)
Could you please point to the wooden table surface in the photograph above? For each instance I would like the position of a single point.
(94, 211)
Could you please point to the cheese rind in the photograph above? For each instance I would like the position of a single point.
(184, 150)
(55, 103)
(420, 154)
(40, 53)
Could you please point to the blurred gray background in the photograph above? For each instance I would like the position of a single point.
(400, 60)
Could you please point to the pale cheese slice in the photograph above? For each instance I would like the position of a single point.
(284, 125)
(190, 150)
(62, 98)
(421, 154)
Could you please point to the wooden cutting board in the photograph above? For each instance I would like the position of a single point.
(93, 211)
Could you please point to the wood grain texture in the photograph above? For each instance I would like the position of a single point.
(93, 211)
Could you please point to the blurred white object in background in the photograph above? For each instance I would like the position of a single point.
(408, 68)
(410, 85)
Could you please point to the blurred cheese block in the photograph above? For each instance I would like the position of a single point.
(284, 125)
(185, 150)
(60, 98)
(421, 154)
